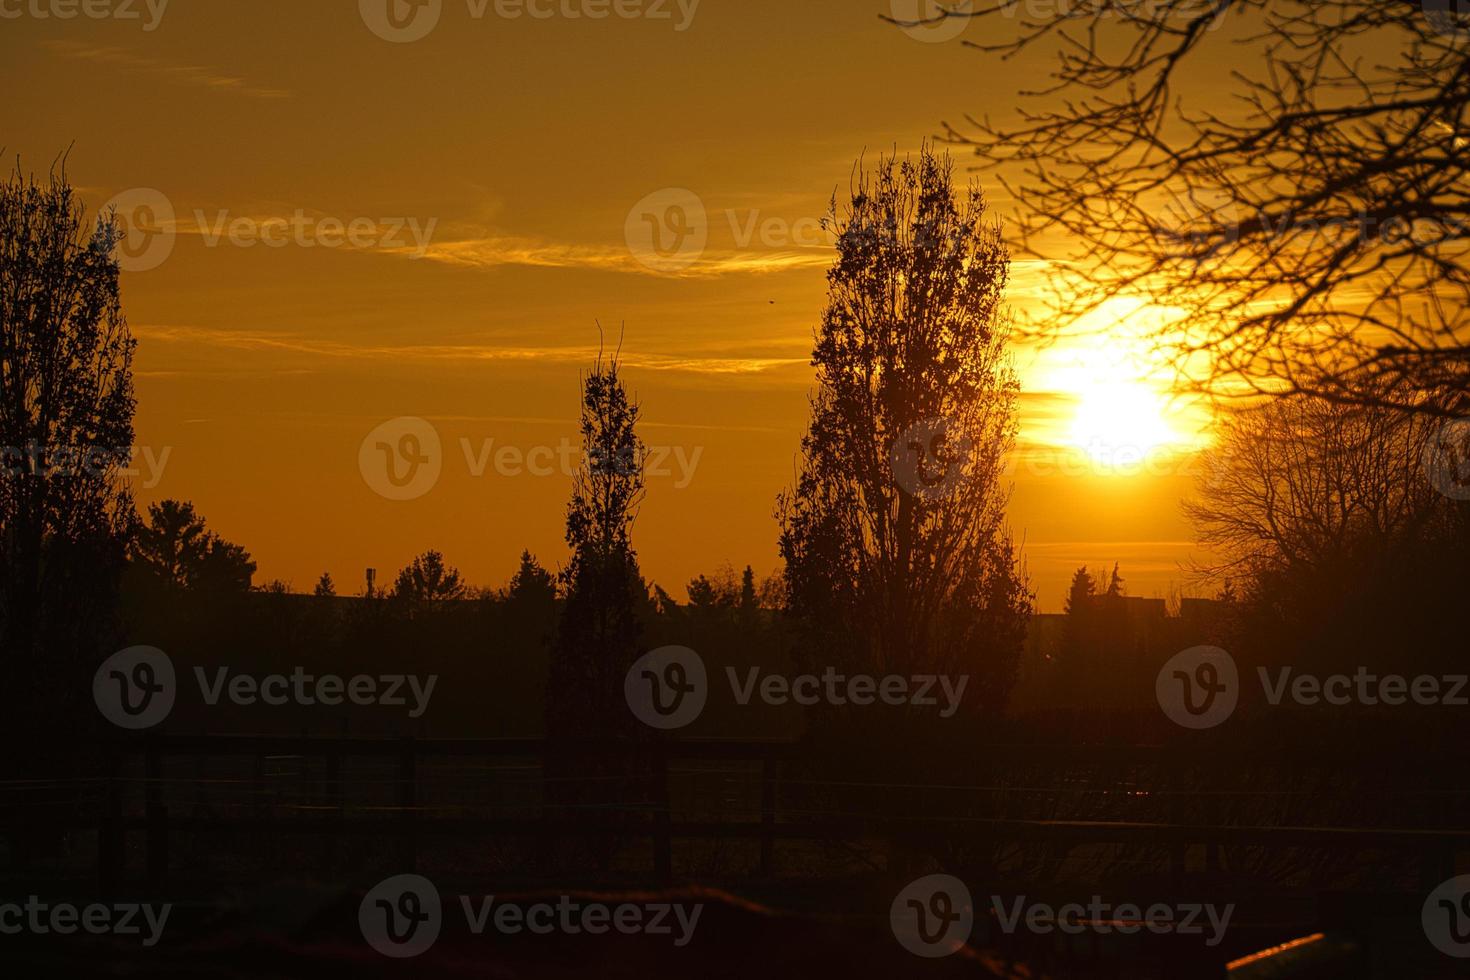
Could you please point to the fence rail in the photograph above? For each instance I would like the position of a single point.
(138, 767)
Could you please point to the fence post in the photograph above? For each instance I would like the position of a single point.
(156, 815)
(769, 775)
(663, 849)
(337, 800)
(407, 803)
(109, 830)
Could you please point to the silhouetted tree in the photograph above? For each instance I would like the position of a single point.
(1344, 550)
(663, 603)
(530, 603)
(1079, 607)
(66, 432)
(531, 583)
(702, 595)
(600, 629)
(325, 587)
(1080, 592)
(427, 582)
(749, 602)
(887, 570)
(177, 550)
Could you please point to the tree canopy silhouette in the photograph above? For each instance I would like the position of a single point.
(178, 550)
(600, 627)
(427, 582)
(66, 417)
(1345, 552)
(890, 567)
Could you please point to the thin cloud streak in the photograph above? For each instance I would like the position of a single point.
(242, 340)
(189, 75)
(496, 251)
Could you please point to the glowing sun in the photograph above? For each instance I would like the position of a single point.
(1122, 422)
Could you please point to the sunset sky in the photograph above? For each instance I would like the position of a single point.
(524, 151)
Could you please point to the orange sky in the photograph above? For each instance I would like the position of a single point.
(518, 150)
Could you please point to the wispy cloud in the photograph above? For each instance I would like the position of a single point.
(196, 76)
(245, 340)
(494, 251)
